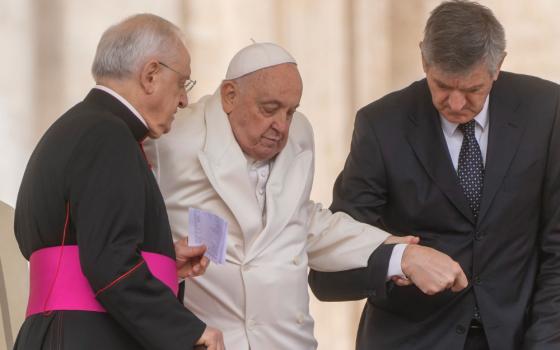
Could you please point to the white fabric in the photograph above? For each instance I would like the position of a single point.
(257, 56)
(259, 297)
(395, 267)
(454, 136)
(17, 145)
(123, 101)
(258, 172)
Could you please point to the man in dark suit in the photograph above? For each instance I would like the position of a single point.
(90, 217)
(468, 159)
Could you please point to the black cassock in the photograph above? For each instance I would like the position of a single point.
(90, 163)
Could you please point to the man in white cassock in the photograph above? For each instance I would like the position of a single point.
(245, 154)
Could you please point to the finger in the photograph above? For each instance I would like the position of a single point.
(190, 252)
(411, 239)
(402, 240)
(200, 267)
(204, 262)
(179, 245)
(401, 282)
(184, 272)
(460, 283)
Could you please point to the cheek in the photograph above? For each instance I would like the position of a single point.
(477, 100)
(257, 126)
(439, 98)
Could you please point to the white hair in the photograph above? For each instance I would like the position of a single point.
(126, 46)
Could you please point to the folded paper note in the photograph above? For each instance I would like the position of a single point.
(208, 229)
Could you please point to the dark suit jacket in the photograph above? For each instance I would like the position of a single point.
(399, 176)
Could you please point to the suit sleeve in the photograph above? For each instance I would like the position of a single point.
(544, 329)
(107, 191)
(361, 192)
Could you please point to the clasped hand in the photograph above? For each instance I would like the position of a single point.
(430, 270)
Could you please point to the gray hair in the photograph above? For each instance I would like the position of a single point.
(126, 46)
(460, 34)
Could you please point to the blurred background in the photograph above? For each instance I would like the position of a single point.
(350, 52)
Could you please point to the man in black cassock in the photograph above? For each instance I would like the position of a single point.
(89, 201)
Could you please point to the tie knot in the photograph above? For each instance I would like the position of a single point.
(467, 128)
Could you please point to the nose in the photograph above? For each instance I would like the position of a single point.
(183, 100)
(456, 101)
(281, 123)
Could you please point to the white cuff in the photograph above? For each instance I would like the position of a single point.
(395, 262)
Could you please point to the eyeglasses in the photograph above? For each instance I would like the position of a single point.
(189, 84)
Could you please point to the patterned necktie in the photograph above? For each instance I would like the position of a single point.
(471, 168)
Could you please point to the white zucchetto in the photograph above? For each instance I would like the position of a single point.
(257, 56)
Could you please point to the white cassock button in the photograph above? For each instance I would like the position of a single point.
(261, 191)
(295, 260)
(300, 318)
(251, 324)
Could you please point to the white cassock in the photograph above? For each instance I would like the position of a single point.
(259, 297)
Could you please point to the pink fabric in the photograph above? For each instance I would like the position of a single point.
(71, 289)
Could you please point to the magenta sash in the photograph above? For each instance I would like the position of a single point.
(69, 289)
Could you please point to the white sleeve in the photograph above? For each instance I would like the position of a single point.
(336, 242)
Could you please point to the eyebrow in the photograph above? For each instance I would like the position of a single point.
(445, 86)
(276, 102)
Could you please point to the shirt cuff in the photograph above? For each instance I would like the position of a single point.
(395, 268)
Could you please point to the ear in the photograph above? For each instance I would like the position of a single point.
(149, 77)
(229, 92)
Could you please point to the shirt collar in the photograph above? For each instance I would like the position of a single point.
(123, 101)
(481, 119)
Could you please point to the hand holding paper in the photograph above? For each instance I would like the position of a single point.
(191, 261)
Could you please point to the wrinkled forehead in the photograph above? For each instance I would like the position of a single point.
(276, 81)
(478, 75)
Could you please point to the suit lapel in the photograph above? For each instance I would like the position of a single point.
(284, 189)
(226, 168)
(506, 129)
(428, 143)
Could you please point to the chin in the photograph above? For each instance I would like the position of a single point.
(154, 134)
(263, 156)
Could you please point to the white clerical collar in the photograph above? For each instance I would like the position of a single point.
(481, 119)
(123, 101)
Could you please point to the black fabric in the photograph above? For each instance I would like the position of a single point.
(356, 284)
(400, 177)
(476, 339)
(91, 159)
(470, 167)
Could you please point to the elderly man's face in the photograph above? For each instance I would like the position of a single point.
(260, 109)
(170, 94)
(459, 97)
